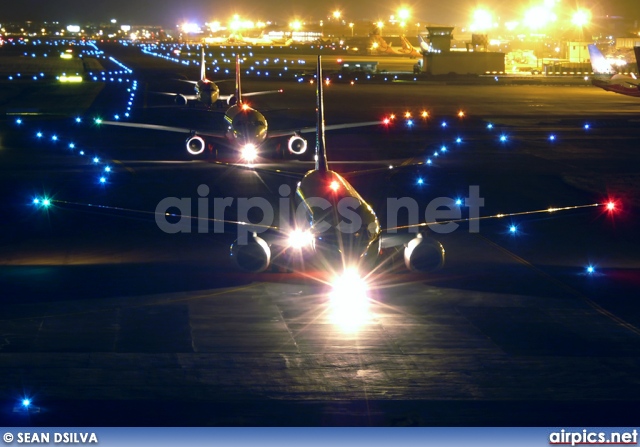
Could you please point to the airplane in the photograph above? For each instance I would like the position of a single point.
(247, 129)
(321, 232)
(382, 47)
(409, 49)
(207, 92)
(606, 77)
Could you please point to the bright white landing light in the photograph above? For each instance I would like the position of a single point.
(249, 152)
(299, 239)
(349, 301)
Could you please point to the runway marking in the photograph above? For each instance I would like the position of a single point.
(132, 306)
(131, 170)
(565, 287)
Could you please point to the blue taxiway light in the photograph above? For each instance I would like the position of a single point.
(18, 121)
(586, 126)
(96, 160)
(443, 148)
(458, 140)
(458, 202)
(489, 126)
(26, 402)
(444, 124)
(513, 229)
(54, 138)
(81, 152)
(72, 146)
(552, 137)
(39, 135)
(409, 123)
(503, 138)
(103, 179)
(590, 269)
(78, 120)
(435, 154)
(420, 181)
(429, 161)
(107, 169)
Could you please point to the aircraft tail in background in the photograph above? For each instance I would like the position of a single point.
(599, 63)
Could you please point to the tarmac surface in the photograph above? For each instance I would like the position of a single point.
(108, 321)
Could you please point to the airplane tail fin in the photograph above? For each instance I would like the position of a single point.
(423, 44)
(599, 64)
(321, 152)
(238, 87)
(203, 67)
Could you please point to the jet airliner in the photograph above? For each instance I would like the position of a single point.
(606, 78)
(207, 92)
(247, 129)
(323, 194)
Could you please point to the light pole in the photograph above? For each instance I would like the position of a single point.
(351, 26)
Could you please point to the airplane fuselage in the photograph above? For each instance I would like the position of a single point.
(207, 92)
(245, 126)
(345, 228)
(619, 85)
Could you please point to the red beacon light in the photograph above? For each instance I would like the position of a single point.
(611, 206)
(334, 185)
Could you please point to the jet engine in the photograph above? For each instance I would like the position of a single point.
(180, 100)
(297, 145)
(254, 256)
(423, 254)
(195, 145)
(231, 100)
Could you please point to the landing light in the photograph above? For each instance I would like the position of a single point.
(299, 239)
(249, 152)
(349, 301)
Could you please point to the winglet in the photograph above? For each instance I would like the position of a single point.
(321, 152)
(599, 64)
(238, 89)
(203, 67)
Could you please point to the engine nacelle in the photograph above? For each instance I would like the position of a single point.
(297, 145)
(423, 254)
(231, 100)
(254, 256)
(180, 100)
(195, 145)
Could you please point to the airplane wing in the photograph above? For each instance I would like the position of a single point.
(187, 97)
(205, 133)
(266, 92)
(289, 132)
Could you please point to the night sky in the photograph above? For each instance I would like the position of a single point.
(170, 12)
